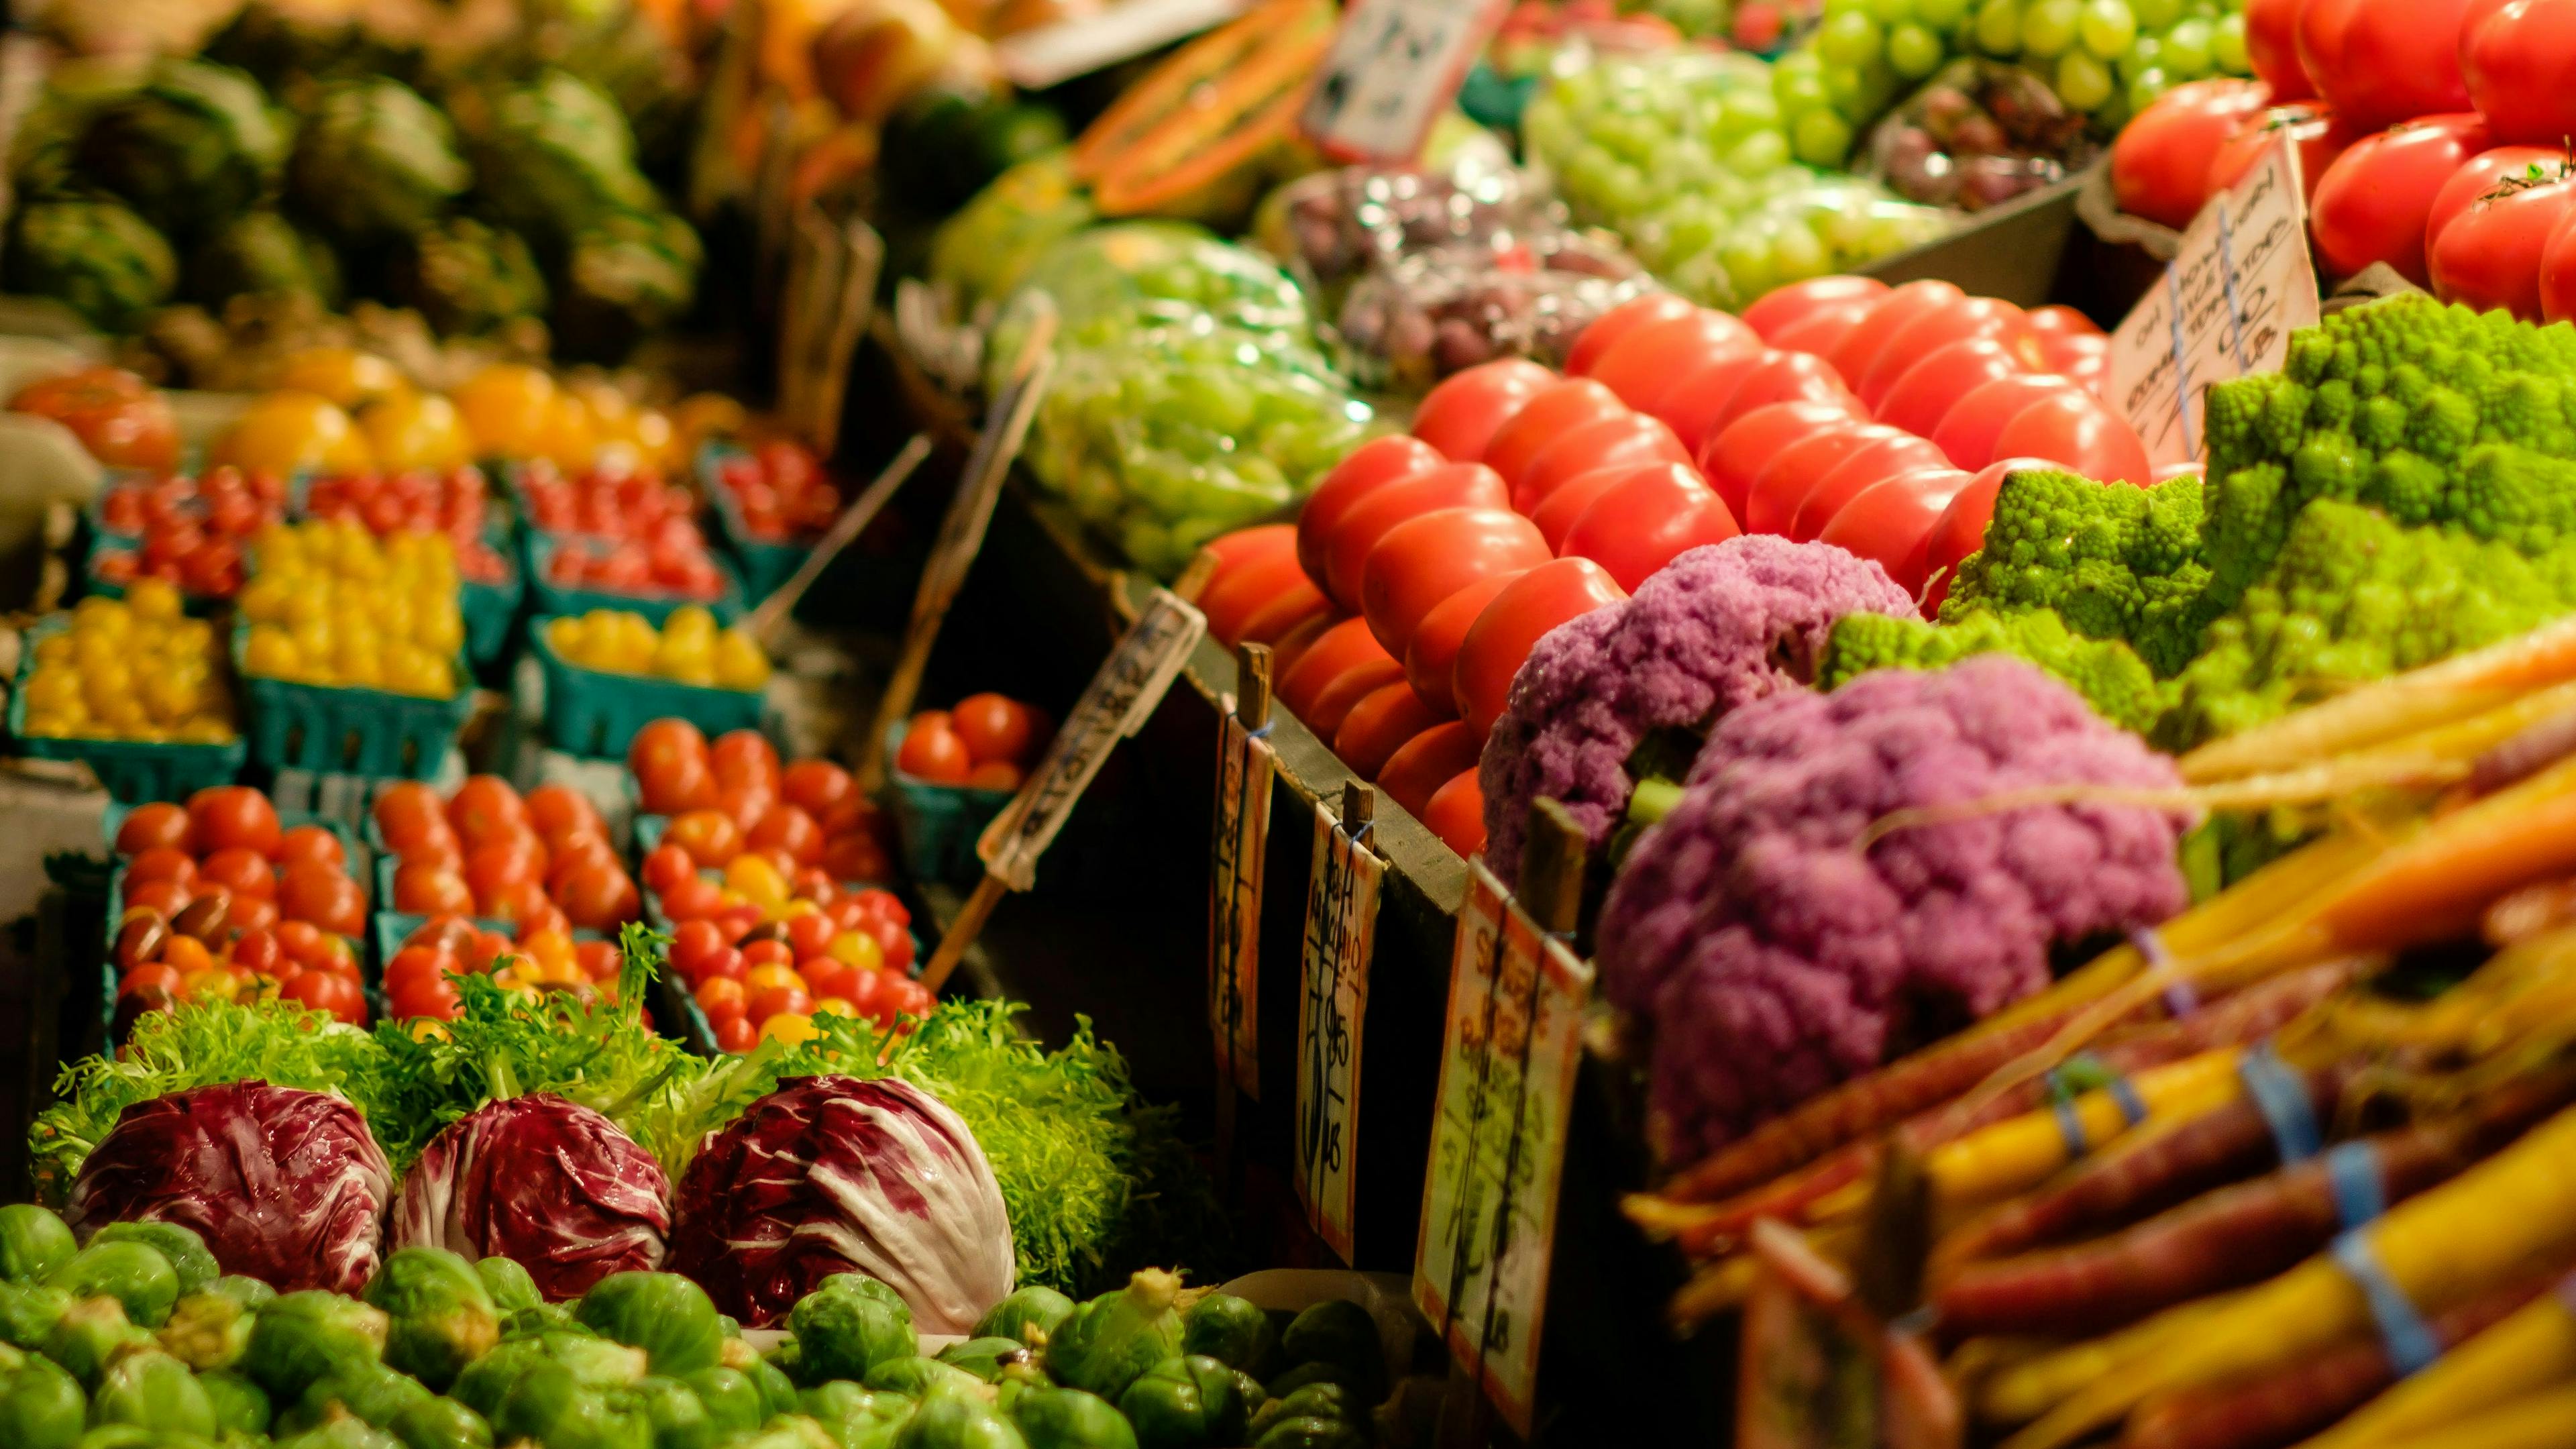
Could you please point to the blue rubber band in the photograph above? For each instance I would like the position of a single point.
(2282, 1096)
(2360, 1193)
(2071, 1127)
(2180, 999)
(2070, 1123)
(2132, 1106)
(1262, 733)
(2402, 1331)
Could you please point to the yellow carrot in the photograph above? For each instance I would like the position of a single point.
(2533, 1350)
(2025, 1390)
(2437, 883)
(2018, 1152)
(2439, 1248)
(2542, 1421)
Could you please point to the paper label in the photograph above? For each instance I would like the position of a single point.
(1036, 59)
(1394, 67)
(2240, 285)
(1121, 695)
(1340, 940)
(1239, 847)
(1527, 1227)
(1440, 1247)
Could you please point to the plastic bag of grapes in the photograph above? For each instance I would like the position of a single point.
(1112, 280)
(1407, 326)
(1979, 135)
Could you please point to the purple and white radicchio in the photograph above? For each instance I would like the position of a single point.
(545, 1181)
(286, 1186)
(837, 1175)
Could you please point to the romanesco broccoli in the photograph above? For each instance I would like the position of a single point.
(2107, 672)
(2113, 562)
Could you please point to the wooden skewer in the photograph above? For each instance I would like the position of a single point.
(765, 621)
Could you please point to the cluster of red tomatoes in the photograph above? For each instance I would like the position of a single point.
(192, 530)
(221, 903)
(734, 796)
(1424, 568)
(780, 489)
(2432, 135)
(548, 959)
(773, 978)
(622, 532)
(419, 500)
(984, 742)
(541, 862)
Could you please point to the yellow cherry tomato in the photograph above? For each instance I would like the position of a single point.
(287, 432)
(156, 599)
(415, 430)
(739, 661)
(508, 408)
(836, 1006)
(857, 950)
(345, 375)
(791, 1027)
(758, 880)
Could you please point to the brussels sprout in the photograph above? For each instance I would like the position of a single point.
(1115, 1337)
(1306, 1374)
(1227, 1329)
(867, 1287)
(187, 1253)
(89, 1336)
(915, 1376)
(596, 1362)
(841, 1402)
(250, 1293)
(540, 1321)
(440, 1424)
(1314, 1401)
(1311, 1432)
(41, 1407)
(509, 1284)
(137, 1275)
(843, 1331)
(368, 1391)
(664, 1314)
(548, 1405)
(207, 1331)
(1071, 1419)
(985, 1358)
(241, 1407)
(306, 1335)
(28, 1312)
(440, 1316)
(486, 1379)
(777, 1390)
(1338, 1331)
(674, 1413)
(341, 1434)
(1029, 1314)
(33, 1243)
(957, 1420)
(1187, 1402)
(734, 1403)
(153, 1391)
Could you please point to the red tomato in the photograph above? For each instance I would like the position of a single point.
(1961, 528)
(769, 952)
(856, 857)
(2558, 273)
(745, 760)
(312, 842)
(2082, 434)
(1428, 761)
(1824, 329)
(1647, 522)
(1891, 521)
(736, 1034)
(818, 787)
(1632, 438)
(2055, 320)
(1262, 540)
(1611, 327)
(1230, 602)
(995, 728)
(162, 862)
(722, 999)
(2371, 205)
(711, 837)
(324, 897)
(1936, 382)
(1968, 430)
(165, 896)
(2272, 42)
(1970, 317)
(825, 976)
(159, 824)
(1694, 405)
(1783, 377)
(789, 829)
(2480, 174)
(1456, 813)
(1452, 485)
(579, 848)
(598, 896)
(666, 866)
(2160, 163)
(1435, 642)
(669, 761)
(258, 952)
(302, 941)
(1893, 313)
(1546, 417)
(416, 966)
(1292, 645)
(2378, 62)
(2310, 125)
(1424, 560)
(810, 933)
(484, 809)
(696, 898)
(2518, 61)
(933, 752)
(2489, 255)
(778, 1001)
(330, 992)
(232, 815)
(1855, 475)
(1787, 306)
(1731, 460)
(503, 861)
(243, 872)
(1270, 623)
(1511, 625)
(252, 913)
(554, 810)
(693, 945)
(1643, 366)
(1376, 727)
(1337, 651)
(1771, 504)
(409, 815)
(1460, 416)
(436, 1000)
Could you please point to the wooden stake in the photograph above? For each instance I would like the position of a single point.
(766, 620)
(962, 931)
(1252, 709)
(1359, 807)
(1252, 685)
(1194, 579)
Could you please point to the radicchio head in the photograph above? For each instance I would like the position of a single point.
(284, 1185)
(835, 1175)
(548, 1183)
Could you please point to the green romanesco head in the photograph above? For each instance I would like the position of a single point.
(2113, 562)
(2108, 673)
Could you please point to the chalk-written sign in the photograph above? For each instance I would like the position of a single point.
(1394, 67)
(1121, 695)
(1239, 845)
(2240, 285)
(1332, 1006)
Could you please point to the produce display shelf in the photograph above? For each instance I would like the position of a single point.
(132, 770)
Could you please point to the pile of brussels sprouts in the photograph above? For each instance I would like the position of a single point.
(140, 1341)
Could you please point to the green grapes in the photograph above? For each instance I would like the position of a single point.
(1913, 51)
(2048, 28)
(2106, 30)
(1850, 39)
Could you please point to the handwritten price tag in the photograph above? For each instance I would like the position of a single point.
(1526, 1228)
(2238, 288)
(1393, 68)
(1443, 1248)
(1121, 695)
(1340, 939)
(1240, 845)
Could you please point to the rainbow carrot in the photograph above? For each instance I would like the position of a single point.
(2012, 1155)
(2542, 1421)
(2530, 1351)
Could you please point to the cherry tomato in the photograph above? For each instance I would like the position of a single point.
(436, 999)
(782, 1000)
(808, 934)
(1645, 523)
(159, 824)
(582, 846)
(2489, 255)
(323, 896)
(161, 862)
(745, 760)
(1694, 405)
(857, 858)
(1504, 633)
(2272, 43)
(485, 809)
(1456, 813)
(1961, 528)
(818, 787)
(1782, 377)
(1852, 476)
(1344, 647)
(1547, 416)
(598, 897)
(1851, 357)
(2082, 434)
(1632, 438)
(505, 860)
(2515, 61)
(826, 977)
(244, 873)
(722, 998)
(151, 975)
(232, 815)
(1611, 327)
(1968, 431)
(2160, 163)
(409, 814)
(874, 904)
(771, 962)
(1891, 521)
(2371, 205)
(724, 963)
(1771, 504)
(1643, 366)
(314, 843)
(302, 941)
(932, 752)
(995, 727)
(1731, 460)
(1784, 307)
(1424, 560)
(995, 775)
(328, 991)
(669, 761)
(786, 828)
(1459, 418)
(709, 836)
(414, 967)
(693, 945)
(2378, 62)
(1231, 601)
(554, 809)
(1452, 485)
(736, 1034)
(2485, 172)
(167, 897)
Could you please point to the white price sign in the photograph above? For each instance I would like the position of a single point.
(1241, 846)
(1393, 68)
(1332, 1006)
(2240, 285)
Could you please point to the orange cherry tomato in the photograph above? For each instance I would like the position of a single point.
(314, 843)
(994, 727)
(159, 824)
(233, 815)
(722, 999)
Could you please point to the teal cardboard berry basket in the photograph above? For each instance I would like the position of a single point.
(132, 770)
(540, 548)
(595, 714)
(350, 730)
(939, 824)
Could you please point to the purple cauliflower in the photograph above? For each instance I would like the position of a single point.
(1714, 630)
(1775, 960)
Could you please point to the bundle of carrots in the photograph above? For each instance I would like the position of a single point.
(2229, 1186)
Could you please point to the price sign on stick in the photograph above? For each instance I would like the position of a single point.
(1525, 1228)
(1394, 67)
(2238, 288)
(1441, 1248)
(1332, 1005)
(1239, 845)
